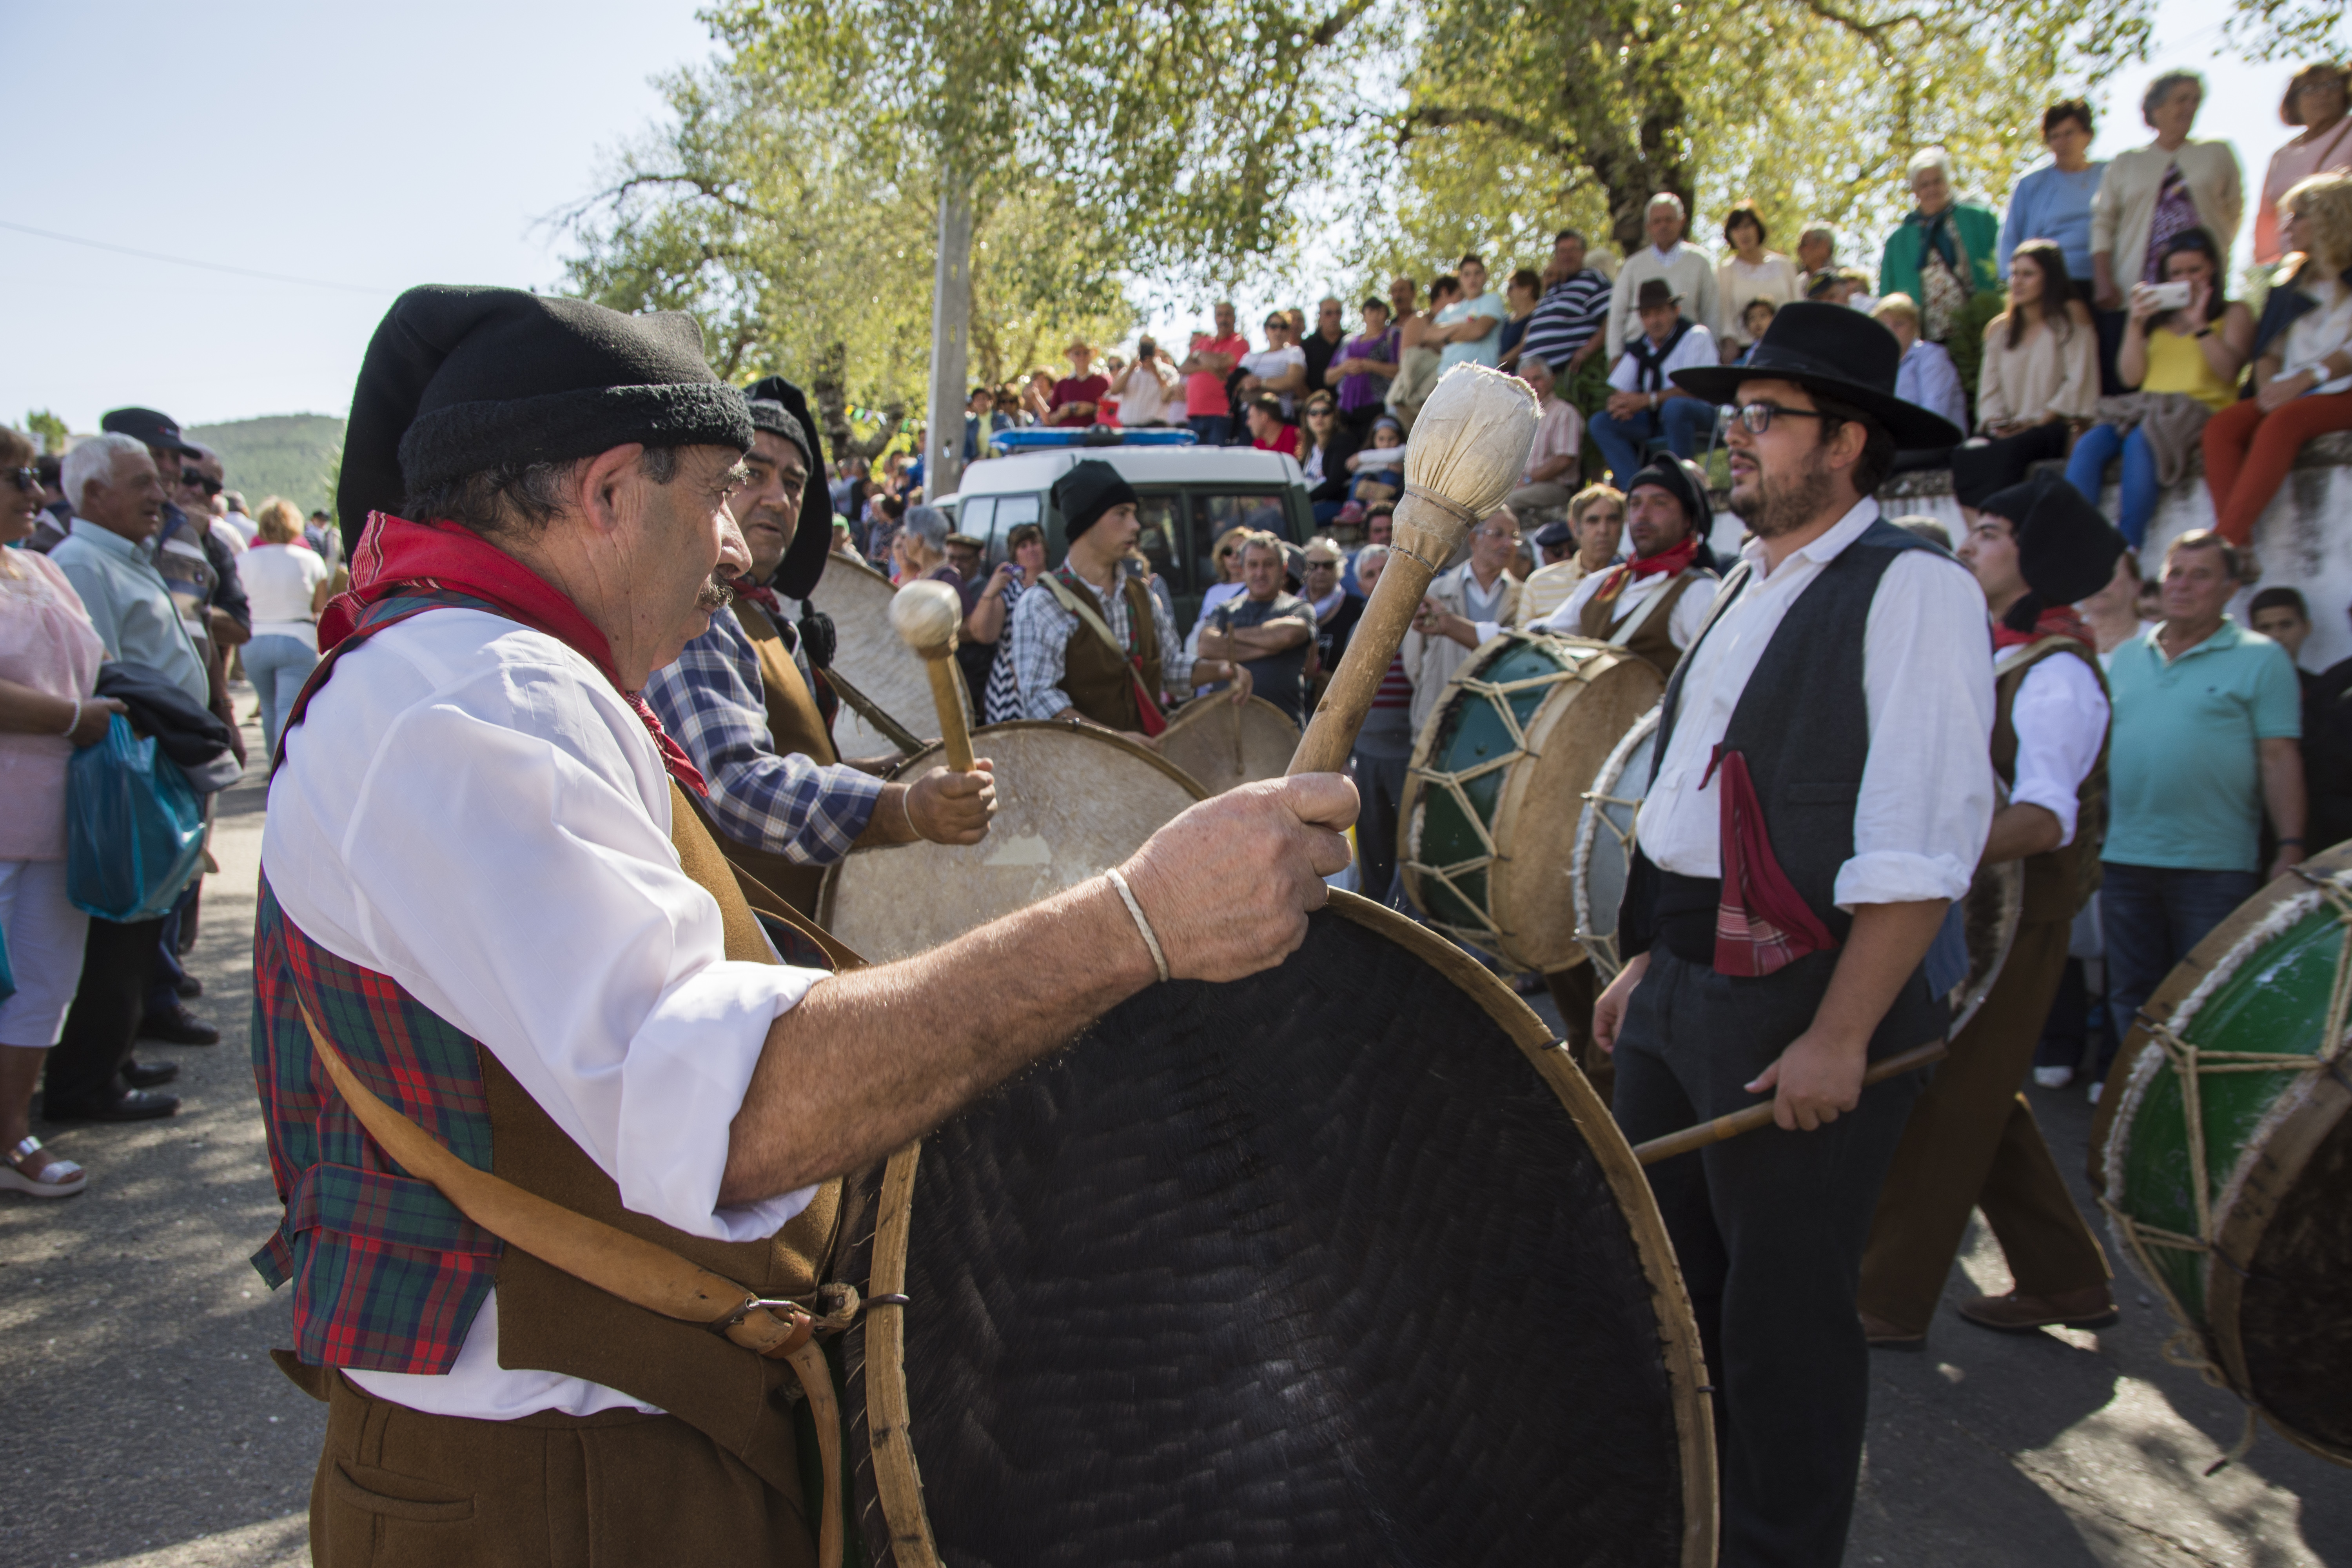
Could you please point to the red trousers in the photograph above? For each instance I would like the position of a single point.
(2247, 454)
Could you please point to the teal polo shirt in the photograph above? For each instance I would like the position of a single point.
(2184, 773)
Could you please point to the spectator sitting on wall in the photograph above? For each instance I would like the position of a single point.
(1470, 328)
(2316, 100)
(1267, 431)
(1549, 479)
(1519, 295)
(1925, 375)
(1644, 402)
(1748, 274)
(1816, 257)
(1688, 275)
(2041, 366)
(1570, 321)
(1754, 317)
(1944, 250)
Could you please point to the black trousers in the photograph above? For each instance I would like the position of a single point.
(1769, 1229)
(118, 966)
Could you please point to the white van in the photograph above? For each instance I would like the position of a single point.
(1189, 495)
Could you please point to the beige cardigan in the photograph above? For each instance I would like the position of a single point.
(2125, 207)
(2039, 377)
(1429, 661)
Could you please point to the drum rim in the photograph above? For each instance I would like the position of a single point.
(1588, 830)
(1189, 714)
(1511, 802)
(2275, 1149)
(899, 1484)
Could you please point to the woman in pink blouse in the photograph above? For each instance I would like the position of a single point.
(2315, 100)
(48, 668)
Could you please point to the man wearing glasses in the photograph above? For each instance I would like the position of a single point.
(1821, 797)
(1480, 590)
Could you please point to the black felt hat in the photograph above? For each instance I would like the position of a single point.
(1672, 475)
(459, 380)
(1835, 353)
(150, 429)
(812, 545)
(775, 419)
(1089, 489)
(2066, 549)
(1552, 534)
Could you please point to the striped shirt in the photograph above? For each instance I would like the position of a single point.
(712, 700)
(1566, 318)
(1388, 728)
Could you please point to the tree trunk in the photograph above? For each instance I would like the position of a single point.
(950, 327)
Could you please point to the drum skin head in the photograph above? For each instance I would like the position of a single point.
(1223, 745)
(870, 654)
(1331, 1266)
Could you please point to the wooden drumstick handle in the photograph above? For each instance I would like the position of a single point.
(927, 616)
(1760, 1114)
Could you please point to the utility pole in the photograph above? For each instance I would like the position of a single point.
(951, 335)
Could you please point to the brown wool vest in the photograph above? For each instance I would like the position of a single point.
(1101, 683)
(1653, 638)
(796, 726)
(550, 1322)
(2059, 881)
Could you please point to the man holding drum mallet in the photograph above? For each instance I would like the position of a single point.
(492, 934)
(782, 805)
(1822, 795)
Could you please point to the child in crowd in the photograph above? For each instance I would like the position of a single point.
(1378, 470)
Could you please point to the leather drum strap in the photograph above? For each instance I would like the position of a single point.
(643, 1273)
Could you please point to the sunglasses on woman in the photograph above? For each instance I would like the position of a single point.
(28, 480)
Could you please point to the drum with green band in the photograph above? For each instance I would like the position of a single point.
(2225, 1153)
(1487, 825)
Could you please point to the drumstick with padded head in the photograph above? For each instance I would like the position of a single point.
(1469, 446)
(1760, 1114)
(927, 616)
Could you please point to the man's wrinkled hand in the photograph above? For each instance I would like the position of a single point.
(948, 807)
(1228, 886)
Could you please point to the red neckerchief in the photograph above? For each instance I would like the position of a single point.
(761, 595)
(1626, 574)
(2059, 622)
(394, 554)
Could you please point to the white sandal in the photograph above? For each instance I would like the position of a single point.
(59, 1178)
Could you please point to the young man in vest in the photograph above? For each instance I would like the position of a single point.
(782, 804)
(483, 894)
(1644, 400)
(1972, 1143)
(1819, 800)
(1091, 641)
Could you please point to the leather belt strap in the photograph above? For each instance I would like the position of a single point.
(643, 1273)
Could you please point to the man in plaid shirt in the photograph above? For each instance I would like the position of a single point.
(775, 786)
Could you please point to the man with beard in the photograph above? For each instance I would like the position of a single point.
(1091, 641)
(489, 930)
(782, 804)
(1821, 796)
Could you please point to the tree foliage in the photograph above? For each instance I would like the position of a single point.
(49, 429)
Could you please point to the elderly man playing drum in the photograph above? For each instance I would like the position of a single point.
(1972, 1143)
(491, 933)
(782, 803)
(1821, 796)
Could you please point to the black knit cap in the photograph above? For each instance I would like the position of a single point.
(1669, 474)
(1089, 489)
(2066, 549)
(459, 380)
(774, 417)
(812, 545)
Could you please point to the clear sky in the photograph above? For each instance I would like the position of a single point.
(371, 146)
(377, 147)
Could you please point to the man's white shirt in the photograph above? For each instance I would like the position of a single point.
(2060, 715)
(470, 809)
(1684, 621)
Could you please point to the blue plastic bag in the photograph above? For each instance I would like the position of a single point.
(134, 827)
(8, 975)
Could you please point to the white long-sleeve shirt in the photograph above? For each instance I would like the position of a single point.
(2061, 719)
(1925, 802)
(470, 809)
(1684, 622)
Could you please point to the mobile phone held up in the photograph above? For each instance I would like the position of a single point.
(2168, 296)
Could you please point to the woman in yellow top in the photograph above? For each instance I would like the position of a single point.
(2182, 366)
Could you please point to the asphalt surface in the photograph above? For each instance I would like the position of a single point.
(146, 1426)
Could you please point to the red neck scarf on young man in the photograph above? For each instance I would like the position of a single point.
(1665, 563)
(2058, 621)
(394, 554)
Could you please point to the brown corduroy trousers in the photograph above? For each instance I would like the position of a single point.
(396, 1486)
(1972, 1143)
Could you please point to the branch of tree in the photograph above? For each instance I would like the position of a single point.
(1337, 23)
(1511, 125)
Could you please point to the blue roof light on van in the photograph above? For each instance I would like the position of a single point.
(1041, 438)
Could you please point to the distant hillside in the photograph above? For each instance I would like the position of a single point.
(281, 454)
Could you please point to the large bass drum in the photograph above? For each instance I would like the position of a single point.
(873, 659)
(2225, 1152)
(1071, 801)
(1222, 743)
(1490, 803)
(1604, 849)
(1227, 1283)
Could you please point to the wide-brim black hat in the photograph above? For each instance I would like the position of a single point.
(460, 381)
(812, 545)
(2066, 548)
(1833, 352)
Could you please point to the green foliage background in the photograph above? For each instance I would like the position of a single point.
(288, 455)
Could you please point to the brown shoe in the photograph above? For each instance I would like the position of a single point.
(2091, 1307)
(1882, 1335)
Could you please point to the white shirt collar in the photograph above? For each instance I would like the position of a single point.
(1821, 550)
(1666, 254)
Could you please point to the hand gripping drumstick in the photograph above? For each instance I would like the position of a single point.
(926, 615)
(1760, 1114)
(1469, 446)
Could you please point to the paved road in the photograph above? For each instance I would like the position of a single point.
(146, 1426)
